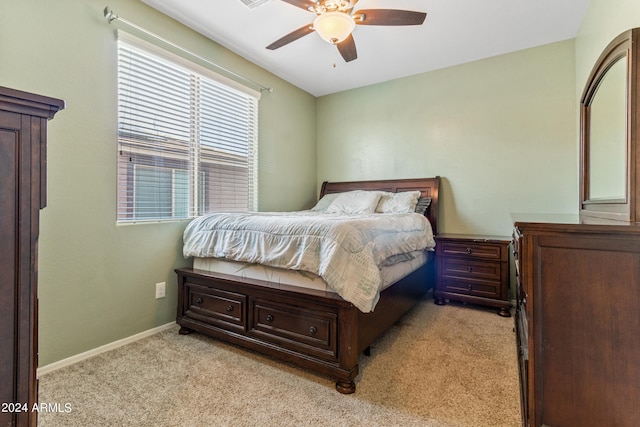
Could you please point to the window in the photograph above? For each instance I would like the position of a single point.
(187, 140)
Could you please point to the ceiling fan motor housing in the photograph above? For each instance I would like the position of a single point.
(333, 6)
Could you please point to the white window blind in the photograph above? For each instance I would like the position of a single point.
(187, 143)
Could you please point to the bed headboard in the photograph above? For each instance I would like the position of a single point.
(429, 187)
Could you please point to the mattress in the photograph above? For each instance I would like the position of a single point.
(390, 274)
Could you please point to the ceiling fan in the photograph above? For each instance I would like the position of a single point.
(336, 20)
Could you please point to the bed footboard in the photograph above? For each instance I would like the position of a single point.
(312, 329)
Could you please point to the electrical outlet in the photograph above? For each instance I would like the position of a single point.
(160, 289)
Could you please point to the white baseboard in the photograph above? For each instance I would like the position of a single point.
(94, 352)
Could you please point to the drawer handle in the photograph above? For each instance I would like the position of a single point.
(229, 308)
(269, 318)
(469, 269)
(469, 287)
(313, 330)
(199, 300)
(469, 251)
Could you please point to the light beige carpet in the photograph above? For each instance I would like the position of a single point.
(439, 366)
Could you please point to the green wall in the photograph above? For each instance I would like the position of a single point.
(97, 279)
(500, 132)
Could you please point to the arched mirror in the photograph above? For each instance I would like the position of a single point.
(609, 137)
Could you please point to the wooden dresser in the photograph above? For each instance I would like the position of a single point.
(578, 321)
(473, 269)
(23, 187)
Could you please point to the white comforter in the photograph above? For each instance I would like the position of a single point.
(345, 250)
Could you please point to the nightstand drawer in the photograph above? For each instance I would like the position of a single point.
(472, 249)
(467, 268)
(477, 288)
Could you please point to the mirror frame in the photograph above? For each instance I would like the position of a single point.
(627, 209)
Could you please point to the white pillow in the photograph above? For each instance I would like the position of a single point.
(402, 202)
(325, 201)
(355, 202)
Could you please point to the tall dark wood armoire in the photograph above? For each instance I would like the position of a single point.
(23, 188)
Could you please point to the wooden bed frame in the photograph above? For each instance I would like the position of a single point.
(313, 329)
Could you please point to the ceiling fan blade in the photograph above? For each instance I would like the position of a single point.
(292, 36)
(388, 17)
(347, 49)
(302, 4)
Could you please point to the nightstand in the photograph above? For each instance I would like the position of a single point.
(473, 269)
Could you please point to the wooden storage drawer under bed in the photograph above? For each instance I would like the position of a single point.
(216, 306)
(306, 330)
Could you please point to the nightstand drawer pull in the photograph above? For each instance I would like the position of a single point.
(469, 269)
(269, 318)
(229, 308)
(313, 330)
(469, 251)
(469, 287)
(199, 300)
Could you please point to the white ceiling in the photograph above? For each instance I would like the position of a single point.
(454, 32)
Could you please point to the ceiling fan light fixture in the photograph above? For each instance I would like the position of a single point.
(334, 27)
